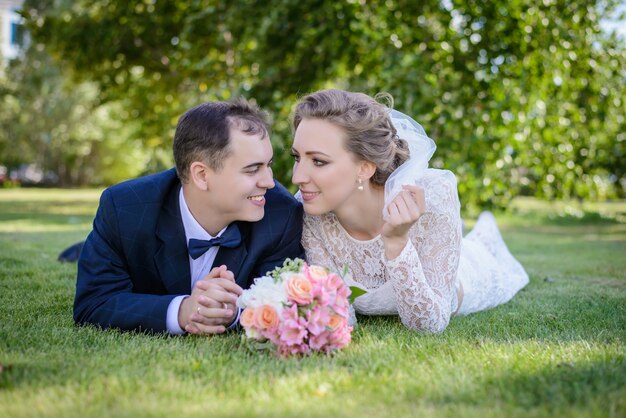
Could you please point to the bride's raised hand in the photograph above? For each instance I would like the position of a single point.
(404, 210)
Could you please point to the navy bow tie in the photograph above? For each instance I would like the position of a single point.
(229, 239)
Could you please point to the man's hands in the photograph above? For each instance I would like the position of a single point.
(211, 306)
(405, 209)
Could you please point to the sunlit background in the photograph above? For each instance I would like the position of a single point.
(522, 98)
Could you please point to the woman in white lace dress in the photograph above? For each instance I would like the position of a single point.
(372, 204)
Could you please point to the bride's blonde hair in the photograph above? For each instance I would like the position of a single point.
(370, 135)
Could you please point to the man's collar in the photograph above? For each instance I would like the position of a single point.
(192, 227)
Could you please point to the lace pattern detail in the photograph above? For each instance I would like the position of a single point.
(420, 284)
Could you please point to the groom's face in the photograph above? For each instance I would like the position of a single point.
(237, 190)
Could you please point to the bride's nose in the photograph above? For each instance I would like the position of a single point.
(299, 175)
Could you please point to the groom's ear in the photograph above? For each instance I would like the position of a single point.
(199, 174)
(366, 169)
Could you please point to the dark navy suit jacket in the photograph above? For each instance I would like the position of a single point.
(135, 261)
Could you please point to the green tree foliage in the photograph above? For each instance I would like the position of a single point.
(59, 125)
(521, 96)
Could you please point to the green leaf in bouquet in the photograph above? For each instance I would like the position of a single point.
(355, 293)
(289, 266)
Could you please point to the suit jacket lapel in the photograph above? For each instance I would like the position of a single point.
(172, 258)
(233, 257)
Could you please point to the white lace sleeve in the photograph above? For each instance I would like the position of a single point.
(424, 274)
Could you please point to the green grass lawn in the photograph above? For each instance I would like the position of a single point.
(557, 349)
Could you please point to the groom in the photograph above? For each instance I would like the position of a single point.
(172, 251)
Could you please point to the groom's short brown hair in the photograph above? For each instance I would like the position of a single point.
(203, 132)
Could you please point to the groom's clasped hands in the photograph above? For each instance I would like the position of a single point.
(211, 307)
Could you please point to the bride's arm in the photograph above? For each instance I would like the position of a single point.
(424, 273)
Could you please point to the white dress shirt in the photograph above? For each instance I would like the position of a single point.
(199, 267)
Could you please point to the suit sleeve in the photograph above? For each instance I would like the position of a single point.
(104, 289)
(289, 245)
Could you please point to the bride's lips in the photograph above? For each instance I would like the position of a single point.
(308, 196)
(258, 200)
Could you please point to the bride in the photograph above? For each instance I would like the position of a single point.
(372, 203)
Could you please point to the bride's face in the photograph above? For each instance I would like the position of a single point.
(324, 171)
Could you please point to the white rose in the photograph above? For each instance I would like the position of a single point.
(263, 292)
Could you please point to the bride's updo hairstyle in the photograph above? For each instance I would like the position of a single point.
(370, 136)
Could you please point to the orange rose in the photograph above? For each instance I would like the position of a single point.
(335, 322)
(266, 317)
(247, 317)
(299, 289)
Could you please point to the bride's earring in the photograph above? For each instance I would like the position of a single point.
(360, 187)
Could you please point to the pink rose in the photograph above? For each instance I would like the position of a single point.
(334, 282)
(299, 289)
(315, 273)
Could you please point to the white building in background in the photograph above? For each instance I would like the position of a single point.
(10, 28)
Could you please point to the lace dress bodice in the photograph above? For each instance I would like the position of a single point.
(420, 285)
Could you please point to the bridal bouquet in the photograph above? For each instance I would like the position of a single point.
(297, 309)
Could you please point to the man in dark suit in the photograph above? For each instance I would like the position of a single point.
(172, 251)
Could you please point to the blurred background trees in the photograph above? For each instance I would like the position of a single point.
(521, 97)
(61, 126)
